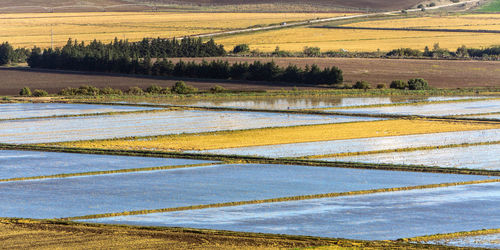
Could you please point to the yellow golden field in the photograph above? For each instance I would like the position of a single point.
(27, 30)
(295, 39)
(271, 136)
(467, 22)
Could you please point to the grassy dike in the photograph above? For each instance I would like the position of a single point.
(452, 235)
(236, 159)
(282, 199)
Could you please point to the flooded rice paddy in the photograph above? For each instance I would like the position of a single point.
(148, 124)
(482, 241)
(302, 103)
(485, 157)
(17, 164)
(364, 144)
(27, 110)
(84, 195)
(378, 216)
(438, 109)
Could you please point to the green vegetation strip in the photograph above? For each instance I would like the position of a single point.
(92, 114)
(237, 159)
(130, 170)
(452, 235)
(282, 199)
(399, 150)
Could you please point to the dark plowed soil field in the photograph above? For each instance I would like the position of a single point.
(94, 5)
(439, 73)
(362, 4)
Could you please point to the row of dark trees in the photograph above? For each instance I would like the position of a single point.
(10, 55)
(436, 51)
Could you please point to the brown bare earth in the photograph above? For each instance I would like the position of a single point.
(34, 234)
(439, 73)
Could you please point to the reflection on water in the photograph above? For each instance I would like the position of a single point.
(85, 195)
(364, 144)
(26, 110)
(473, 157)
(483, 241)
(280, 103)
(381, 216)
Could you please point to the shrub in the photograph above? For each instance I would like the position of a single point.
(40, 93)
(87, 90)
(182, 88)
(241, 48)
(418, 84)
(361, 85)
(217, 89)
(380, 86)
(25, 92)
(398, 84)
(68, 91)
(154, 89)
(110, 91)
(135, 91)
(312, 51)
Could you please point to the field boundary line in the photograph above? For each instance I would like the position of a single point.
(282, 199)
(238, 159)
(397, 150)
(451, 235)
(104, 172)
(407, 29)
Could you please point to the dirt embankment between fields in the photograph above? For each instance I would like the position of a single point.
(439, 73)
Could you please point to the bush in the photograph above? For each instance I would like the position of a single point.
(40, 93)
(25, 92)
(217, 89)
(398, 84)
(418, 84)
(87, 90)
(110, 91)
(361, 85)
(380, 86)
(68, 91)
(312, 51)
(154, 89)
(182, 88)
(241, 48)
(135, 91)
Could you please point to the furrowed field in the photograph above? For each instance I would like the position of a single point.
(27, 30)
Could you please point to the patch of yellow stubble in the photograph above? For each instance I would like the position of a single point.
(272, 136)
(295, 39)
(29, 29)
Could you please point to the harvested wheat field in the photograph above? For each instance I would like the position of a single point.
(295, 39)
(27, 30)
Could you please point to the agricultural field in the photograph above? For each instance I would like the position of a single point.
(441, 109)
(295, 39)
(28, 30)
(464, 22)
(261, 171)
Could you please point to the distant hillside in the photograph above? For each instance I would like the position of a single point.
(216, 5)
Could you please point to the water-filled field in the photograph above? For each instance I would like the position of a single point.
(302, 103)
(156, 123)
(438, 109)
(473, 157)
(482, 241)
(378, 216)
(16, 164)
(364, 144)
(26, 110)
(492, 116)
(77, 196)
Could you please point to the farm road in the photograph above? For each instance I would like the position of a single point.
(322, 20)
